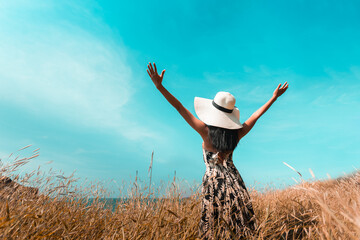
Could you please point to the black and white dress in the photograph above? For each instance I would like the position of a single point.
(227, 212)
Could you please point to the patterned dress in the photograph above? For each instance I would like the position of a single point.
(227, 211)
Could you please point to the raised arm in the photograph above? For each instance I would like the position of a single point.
(248, 125)
(195, 123)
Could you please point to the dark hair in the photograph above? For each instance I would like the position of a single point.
(223, 139)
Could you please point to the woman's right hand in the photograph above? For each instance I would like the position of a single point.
(280, 90)
(155, 77)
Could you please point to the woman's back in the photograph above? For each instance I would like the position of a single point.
(226, 202)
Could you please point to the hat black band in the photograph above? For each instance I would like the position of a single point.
(221, 108)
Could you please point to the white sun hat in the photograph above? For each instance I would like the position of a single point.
(218, 112)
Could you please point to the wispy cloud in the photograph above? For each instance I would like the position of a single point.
(54, 61)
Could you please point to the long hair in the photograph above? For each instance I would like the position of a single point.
(223, 139)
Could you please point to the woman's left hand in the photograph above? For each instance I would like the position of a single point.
(155, 77)
(280, 90)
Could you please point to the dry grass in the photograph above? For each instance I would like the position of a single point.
(317, 210)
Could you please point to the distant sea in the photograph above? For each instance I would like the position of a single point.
(111, 203)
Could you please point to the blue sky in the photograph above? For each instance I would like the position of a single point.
(74, 84)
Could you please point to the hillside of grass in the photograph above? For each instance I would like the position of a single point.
(327, 209)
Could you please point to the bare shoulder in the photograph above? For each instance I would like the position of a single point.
(206, 141)
(246, 128)
(204, 134)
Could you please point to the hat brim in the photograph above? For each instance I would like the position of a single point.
(212, 116)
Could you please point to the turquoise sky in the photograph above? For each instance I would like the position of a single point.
(74, 84)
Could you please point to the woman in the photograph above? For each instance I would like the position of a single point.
(227, 211)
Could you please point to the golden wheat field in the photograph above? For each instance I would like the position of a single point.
(310, 210)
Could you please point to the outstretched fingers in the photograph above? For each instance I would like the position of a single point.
(162, 73)
(155, 68)
(284, 87)
(287, 85)
(151, 68)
